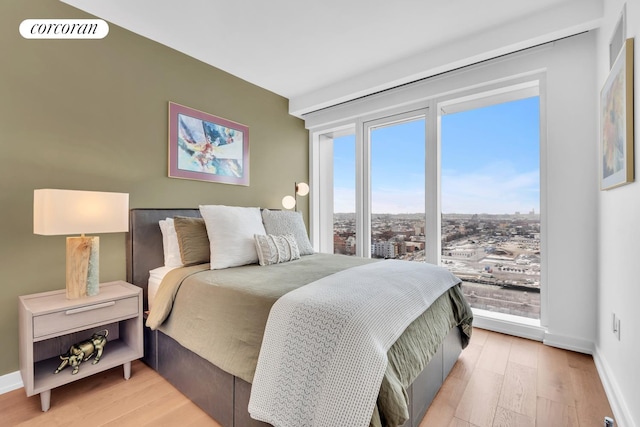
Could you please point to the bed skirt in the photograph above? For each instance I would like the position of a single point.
(226, 397)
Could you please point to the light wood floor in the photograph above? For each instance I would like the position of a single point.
(498, 381)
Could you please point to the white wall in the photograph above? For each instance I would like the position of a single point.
(564, 18)
(619, 251)
(571, 194)
(569, 105)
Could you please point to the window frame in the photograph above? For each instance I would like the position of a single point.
(364, 229)
(434, 103)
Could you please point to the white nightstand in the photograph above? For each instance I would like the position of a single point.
(49, 324)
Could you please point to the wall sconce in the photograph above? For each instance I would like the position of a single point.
(289, 202)
(59, 212)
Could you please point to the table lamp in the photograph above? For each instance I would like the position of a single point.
(63, 212)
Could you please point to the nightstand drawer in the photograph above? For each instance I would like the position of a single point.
(78, 317)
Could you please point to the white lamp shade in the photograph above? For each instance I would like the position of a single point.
(288, 202)
(58, 212)
(302, 188)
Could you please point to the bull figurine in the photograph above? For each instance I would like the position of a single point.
(83, 351)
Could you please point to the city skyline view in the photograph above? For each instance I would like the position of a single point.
(496, 256)
(489, 163)
(490, 200)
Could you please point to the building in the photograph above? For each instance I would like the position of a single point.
(384, 249)
(85, 115)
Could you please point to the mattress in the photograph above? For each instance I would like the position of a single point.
(155, 278)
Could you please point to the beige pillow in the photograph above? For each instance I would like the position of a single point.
(192, 240)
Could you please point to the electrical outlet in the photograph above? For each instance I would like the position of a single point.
(608, 422)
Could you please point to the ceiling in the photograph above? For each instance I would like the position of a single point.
(317, 53)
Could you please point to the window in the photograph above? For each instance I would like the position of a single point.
(344, 195)
(397, 163)
(452, 180)
(490, 186)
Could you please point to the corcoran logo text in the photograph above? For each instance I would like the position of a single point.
(64, 29)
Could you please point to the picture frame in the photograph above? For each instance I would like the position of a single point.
(616, 122)
(205, 147)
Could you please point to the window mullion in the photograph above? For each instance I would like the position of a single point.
(432, 186)
(363, 192)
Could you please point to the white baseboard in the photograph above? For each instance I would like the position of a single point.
(10, 382)
(569, 343)
(528, 328)
(507, 324)
(621, 412)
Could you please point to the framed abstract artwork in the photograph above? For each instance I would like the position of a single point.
(616, 122)
(207, 148)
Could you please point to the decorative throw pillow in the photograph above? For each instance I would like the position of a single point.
(287, 222)
(231, 230)
(276, 249)
(192, 240)
(170, 243)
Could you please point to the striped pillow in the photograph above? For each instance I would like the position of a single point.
(276, 249)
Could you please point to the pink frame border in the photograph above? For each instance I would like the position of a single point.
(174, 172)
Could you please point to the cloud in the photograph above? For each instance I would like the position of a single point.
(495, 188)
(385, 200)
(344, 200)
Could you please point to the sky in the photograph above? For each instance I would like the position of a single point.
(490, 163)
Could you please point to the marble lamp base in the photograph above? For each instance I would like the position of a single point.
(82, 266)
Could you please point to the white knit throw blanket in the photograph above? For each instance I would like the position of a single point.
(324, 351)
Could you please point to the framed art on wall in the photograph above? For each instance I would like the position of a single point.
(616, 122)
(206, 147)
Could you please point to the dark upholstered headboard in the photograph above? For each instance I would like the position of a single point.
(144, 243)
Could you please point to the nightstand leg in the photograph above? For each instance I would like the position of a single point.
(127, 370)
(45, 400)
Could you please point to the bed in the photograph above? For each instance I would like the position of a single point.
(224, 396)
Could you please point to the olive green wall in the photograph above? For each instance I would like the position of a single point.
(92, 115)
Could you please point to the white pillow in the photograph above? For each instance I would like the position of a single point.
(276, 249)
(170, 243)
(231, 230)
